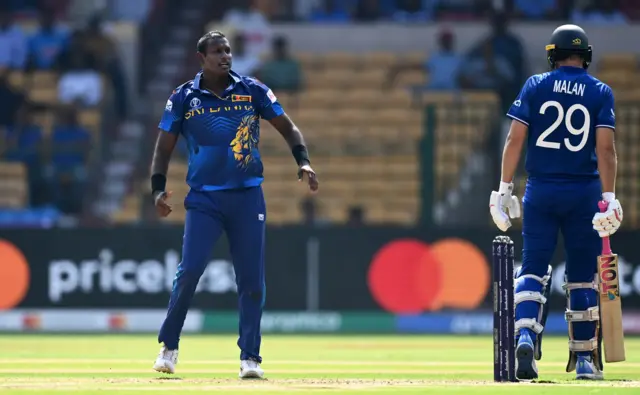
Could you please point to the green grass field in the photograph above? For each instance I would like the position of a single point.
(121, 364)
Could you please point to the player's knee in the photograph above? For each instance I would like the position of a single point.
(188, 273)
(256, 296)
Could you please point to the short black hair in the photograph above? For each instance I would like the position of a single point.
(204, 40)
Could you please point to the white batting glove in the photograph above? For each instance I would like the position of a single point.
(503, 205)
(608, 223)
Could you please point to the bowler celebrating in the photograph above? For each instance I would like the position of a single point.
(567, 119)
(217, 113)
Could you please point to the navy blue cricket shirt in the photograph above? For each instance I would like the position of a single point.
(563, 108)
(222, 132)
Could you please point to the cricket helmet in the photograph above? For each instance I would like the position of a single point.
(568, 40)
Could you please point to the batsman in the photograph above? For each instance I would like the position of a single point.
(567, 119)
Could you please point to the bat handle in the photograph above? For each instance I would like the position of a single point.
(606, 242)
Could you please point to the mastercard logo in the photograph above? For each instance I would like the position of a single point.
(409, 276)
(14, 281)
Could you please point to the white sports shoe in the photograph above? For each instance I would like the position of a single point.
(250, 369)
(586, 369)
(166, 361)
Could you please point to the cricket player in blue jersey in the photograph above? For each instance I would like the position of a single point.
(567, 119)
(217, 113)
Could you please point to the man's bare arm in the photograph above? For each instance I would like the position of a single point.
(513, 150)
(165, 144)
(285, 126)
(607, 158)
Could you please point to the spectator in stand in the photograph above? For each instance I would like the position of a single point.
(489, 71)
(281, 72)
(75, 44)
(47, 43)
(104, 51)
(355, 216)
(70, 147)
(242, 62)
(415, 10)
(505, 47)
(442, 66)
(599, 12)
(80, 83)
(24, 143)
(536, 9)
(13, 44)
(330, 11)
(249, 21)
(367, 11)
(10, 98)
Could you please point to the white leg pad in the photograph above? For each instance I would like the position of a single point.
(542, 280)
(571, 286)
(591, 314)
(583, 345)
(571, 316)
(529, 323)
(529, 296)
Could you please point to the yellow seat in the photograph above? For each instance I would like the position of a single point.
(397, 98)
(44, 80)
(14, 189)
(321, 98)
(618, 61)
(17, 80)
(342, 60)
(43, 95)
(90, 119)
(414, 59)
(380, 60)
(309, 60)
(410, 78)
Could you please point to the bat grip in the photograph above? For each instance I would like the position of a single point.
(606, 242)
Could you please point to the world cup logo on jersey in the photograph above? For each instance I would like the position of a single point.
(245, 141)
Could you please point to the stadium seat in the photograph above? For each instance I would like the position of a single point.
(17, 80)
(409, 79)
(14, 189)
(44, 80)
(46, 96)
(618, 61)
(342, 60)
(380, 60)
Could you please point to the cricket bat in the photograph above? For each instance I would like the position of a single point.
(610, 302)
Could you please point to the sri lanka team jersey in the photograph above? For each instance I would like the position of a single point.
(222, 132)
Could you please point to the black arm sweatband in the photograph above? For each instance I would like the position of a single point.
(158, 183)
(300, 154)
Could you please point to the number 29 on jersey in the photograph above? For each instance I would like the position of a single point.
(567, 118)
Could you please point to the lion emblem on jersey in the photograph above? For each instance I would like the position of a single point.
(245, 141)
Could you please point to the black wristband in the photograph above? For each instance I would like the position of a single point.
(158, 183)
(300, 154)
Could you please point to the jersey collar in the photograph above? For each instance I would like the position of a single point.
(196, 82)
(572, 69)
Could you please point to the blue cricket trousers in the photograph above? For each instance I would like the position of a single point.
(565, 207)
(241, 213)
